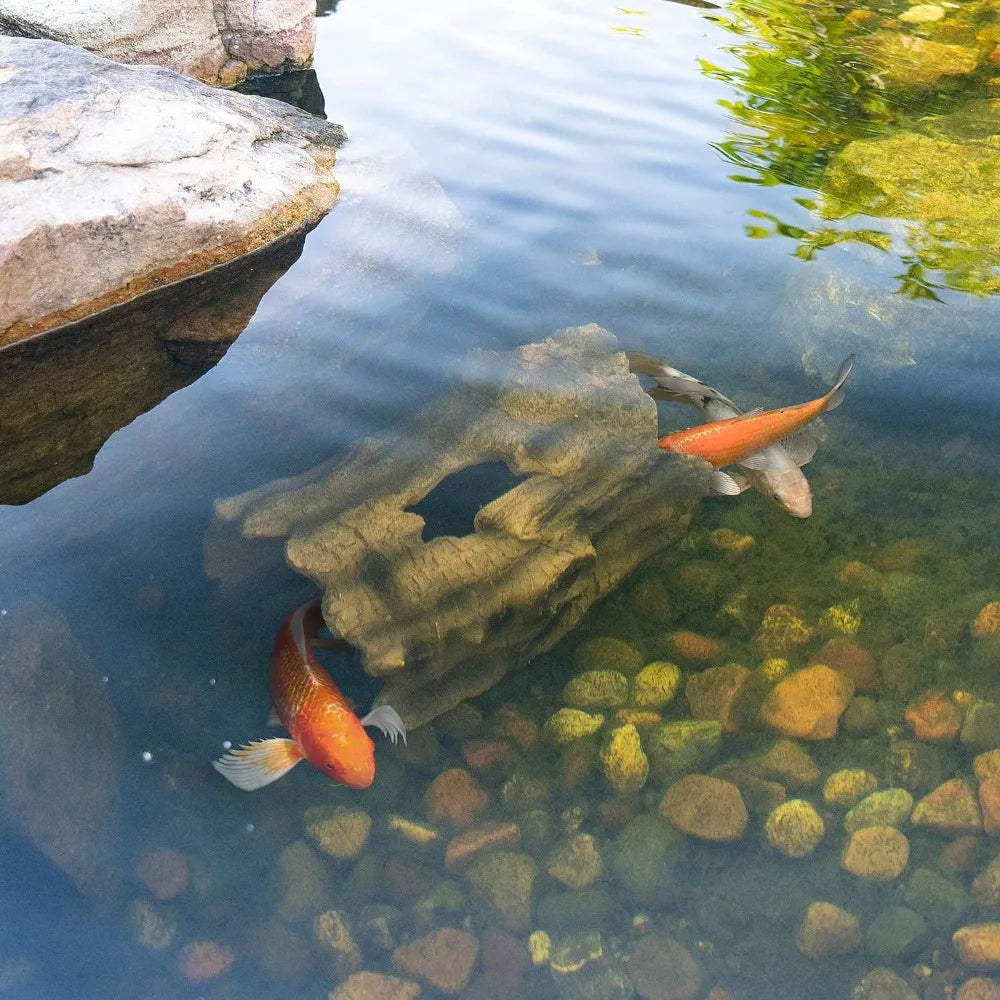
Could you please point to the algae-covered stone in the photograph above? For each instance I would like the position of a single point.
(569, 724)
(333, 932)
(643, 859)
(154, 925)
(891, 807)
(948, 186)
(502, 882)
(576, 862)
(827, 930)
(847, 787)
(605, 653)
(896, 933)
(981, 729)
(782, 629)
(339, 831)
(978, 945)
(623, 760)
(940, 900)
(443, 903)
(301, 882)
(883, 984)
(655, 685)
(582, 969)
(913, 765)
(597, 689)
(795, 828)
(678, 747)
(652, 602)
(914, 61)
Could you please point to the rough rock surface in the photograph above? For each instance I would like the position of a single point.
(178, 179)
(215, 41)
(60, 749)
(444, 619)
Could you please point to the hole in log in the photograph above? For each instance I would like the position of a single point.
(451, 507)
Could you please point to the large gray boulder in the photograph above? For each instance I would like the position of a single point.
(216, 41)
(177, 178)
(61, 748)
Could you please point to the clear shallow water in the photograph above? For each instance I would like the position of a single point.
(579, 160)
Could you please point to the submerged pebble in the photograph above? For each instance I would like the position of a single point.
(597, 689)
(876, 853)
(794, 828)
(705, 807)
(443, 959)
(569, 724)
(827, 930)
(203, 960)
(623, 760)
(339, 831)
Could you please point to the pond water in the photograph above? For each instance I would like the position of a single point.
(751, 193)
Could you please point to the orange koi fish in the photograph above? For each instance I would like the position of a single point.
(324, 728)
(739, 440)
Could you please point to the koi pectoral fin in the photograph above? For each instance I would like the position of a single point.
(387, 719)
(723, 484)
(259, 763)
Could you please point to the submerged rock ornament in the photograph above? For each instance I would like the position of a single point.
(443, 619)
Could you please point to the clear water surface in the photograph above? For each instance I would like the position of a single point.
(553, 164)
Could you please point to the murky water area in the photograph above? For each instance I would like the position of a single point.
(751, 194)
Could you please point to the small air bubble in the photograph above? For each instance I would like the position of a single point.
(227, 744)
(104, 679)
(146, 756)
(211, 682)
(3, 611)
(249, 827)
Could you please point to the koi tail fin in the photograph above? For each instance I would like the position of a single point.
(387, 719)
(259, 763)
(836, 394)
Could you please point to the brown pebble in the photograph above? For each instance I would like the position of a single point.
(693, 648)
(950, 808)
(847, 657)
(712, 694)
(375, 986)
(444, 959)
(989, 803)
(203, 960)
(705, 807)
(827, 930)
(933, 718)
(465, 846)
(978, 989)
(876, 853)
(959, 855)
(163, 871)
(492, 760)
(808, 703)
(455, 798)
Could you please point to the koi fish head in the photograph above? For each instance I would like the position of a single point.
(789, 491)
(348, 762)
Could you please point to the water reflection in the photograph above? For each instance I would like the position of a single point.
(880, 111)
(63, 394)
